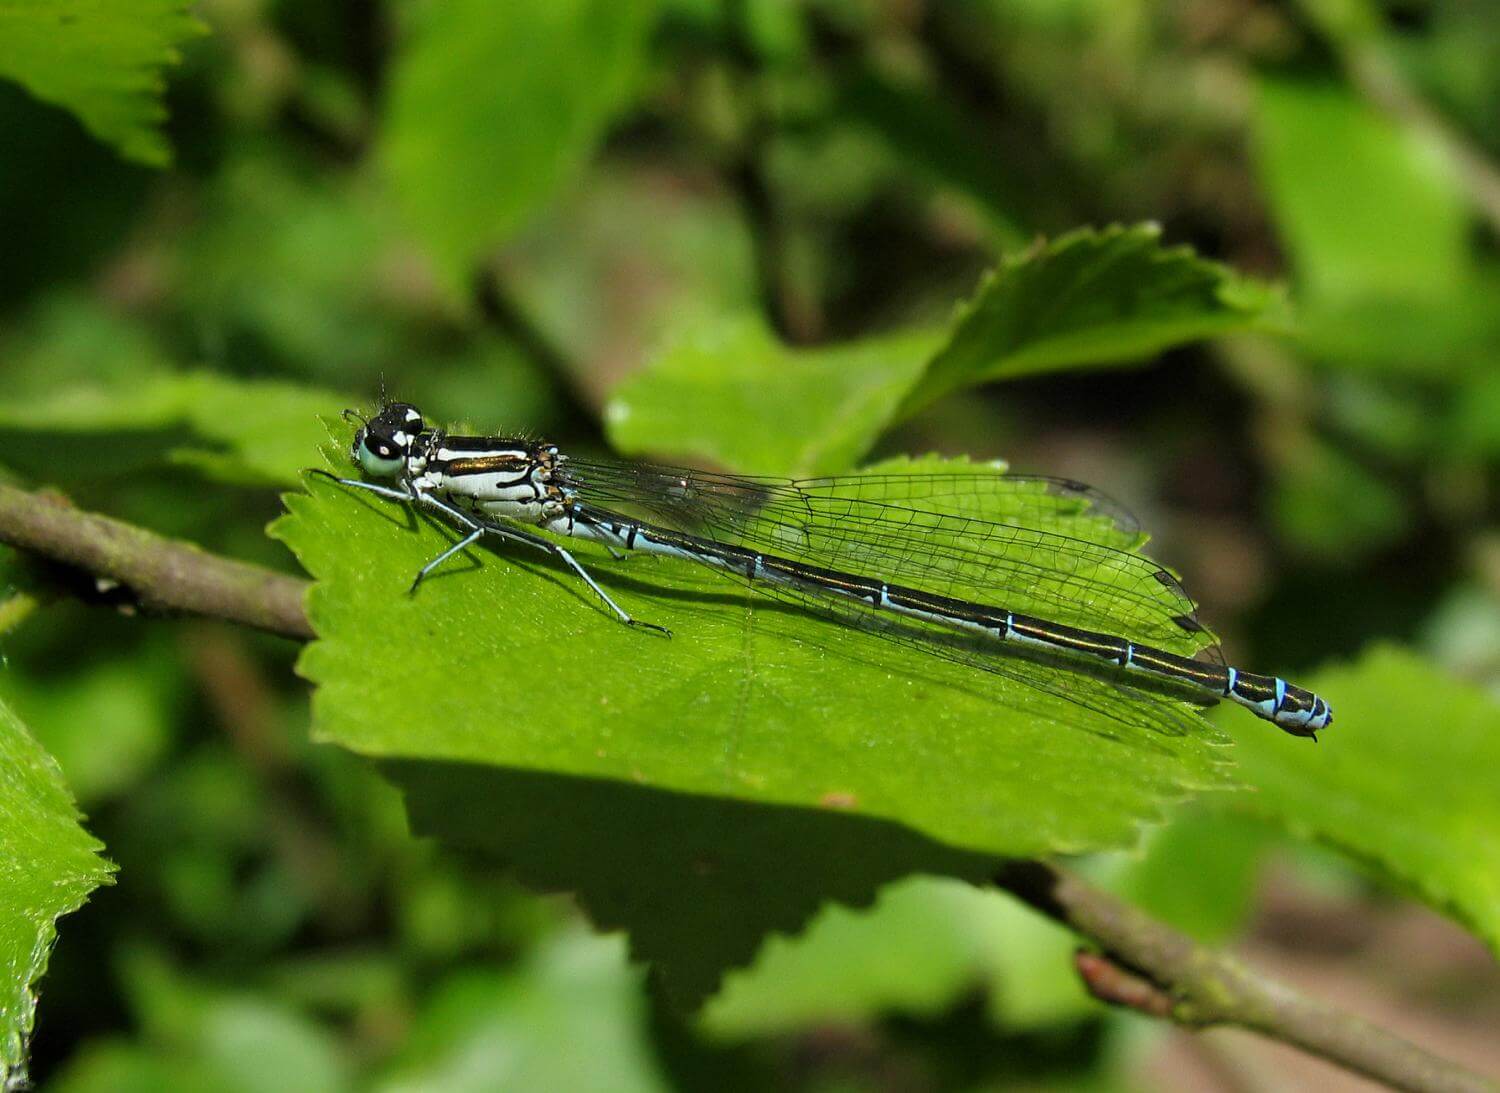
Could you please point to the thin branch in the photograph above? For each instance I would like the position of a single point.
(1145, 964)
(1110, 983)
(1157, 969)
(161, 574)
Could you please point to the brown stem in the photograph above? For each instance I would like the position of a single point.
(1145, 964)
(162, 574)
(1207, 987)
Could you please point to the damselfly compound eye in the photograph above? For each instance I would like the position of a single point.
(385, 442)
(378, 455)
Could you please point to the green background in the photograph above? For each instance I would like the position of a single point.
(1234, 264)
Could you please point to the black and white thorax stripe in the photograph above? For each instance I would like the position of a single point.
(499, 476)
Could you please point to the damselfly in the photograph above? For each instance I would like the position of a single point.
(917, 557)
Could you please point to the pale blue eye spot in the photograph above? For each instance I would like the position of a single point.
(377, 465)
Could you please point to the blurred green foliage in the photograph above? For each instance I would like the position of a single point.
(103, 62)
(775, 237)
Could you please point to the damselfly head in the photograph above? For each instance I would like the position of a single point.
(382, 444)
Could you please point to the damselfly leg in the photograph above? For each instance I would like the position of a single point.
(478, 529)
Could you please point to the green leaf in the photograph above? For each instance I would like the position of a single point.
(1400, 782)
(572, 1016)
(48, 867)
(732, 395)
(102, 60)
(1090, 298)
(116, 1065)
(1330, 505)
(923, 945)
(249, 432)
(493, 107)
(135, 694)
(1366, 208)
(666, 778)
(206, 1037)
(1378, 231)
(927, 942)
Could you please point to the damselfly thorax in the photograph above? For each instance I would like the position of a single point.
(509, 478)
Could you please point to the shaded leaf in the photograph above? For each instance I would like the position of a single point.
(491, 107)
(48, 867)
(1398, 782)
(102, 60)
(697, 881)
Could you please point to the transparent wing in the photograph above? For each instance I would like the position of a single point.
(1095, 699)
(1047, 547)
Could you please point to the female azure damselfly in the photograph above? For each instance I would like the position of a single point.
(906, 556)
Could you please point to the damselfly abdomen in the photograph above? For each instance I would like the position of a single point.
(896, 554)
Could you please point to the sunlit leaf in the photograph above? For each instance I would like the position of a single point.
(48, 867)
(102, 60)
(1091, 298)
(1397, 782)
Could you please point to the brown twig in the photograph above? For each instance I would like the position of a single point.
(1109, 982)
(1157, 969)
(162, 574)
(1144, 964)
